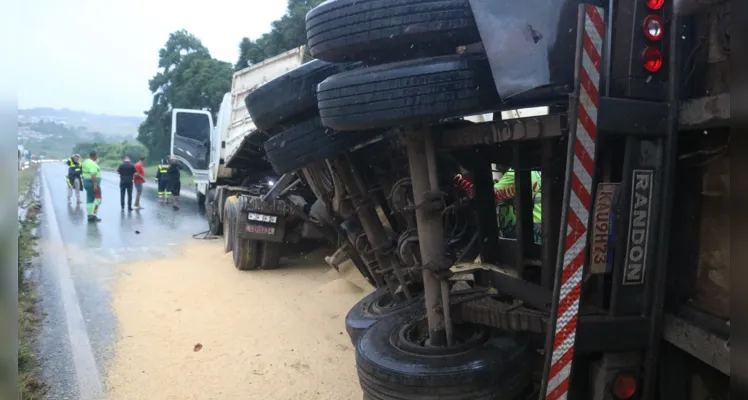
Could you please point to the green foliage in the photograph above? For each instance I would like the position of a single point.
(285, 34)
(188, 78)
(111, 154)
(29, 385)
(58, 139)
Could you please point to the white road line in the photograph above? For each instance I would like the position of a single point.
(86, 371)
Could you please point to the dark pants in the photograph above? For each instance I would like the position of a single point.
(163, 186)
(125, 187)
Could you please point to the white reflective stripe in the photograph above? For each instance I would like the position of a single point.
(560, 377)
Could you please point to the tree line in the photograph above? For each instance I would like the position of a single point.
(111, 154)
(189, 77)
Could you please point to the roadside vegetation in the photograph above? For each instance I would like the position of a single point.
(30, 387)
(189, 77)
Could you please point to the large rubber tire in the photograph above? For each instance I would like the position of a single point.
(375, 306)
(486, 368)
(246, 252)
(230, 209)
(306, 143)
(341, 30)
(409, 91)
(290, 97)
(270, 255)
(201, 198)
(215, 227)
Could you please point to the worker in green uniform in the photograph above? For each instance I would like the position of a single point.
(504, 191)
(162, 179)
(91, 173)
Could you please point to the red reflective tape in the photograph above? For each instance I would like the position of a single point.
(588, 124)
(567, 301)
(577, 230)
(596, 18)
(584, 158)
(559, 391)
(562, 362)
(590, 88)
(591, 51)
(563, 334)
(582, 193)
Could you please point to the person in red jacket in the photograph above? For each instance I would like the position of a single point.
(138, 181)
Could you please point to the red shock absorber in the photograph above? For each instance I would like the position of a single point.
(464, 184)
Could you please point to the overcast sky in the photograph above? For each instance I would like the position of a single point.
(97, 55)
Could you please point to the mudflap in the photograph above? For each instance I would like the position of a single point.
(263, 221)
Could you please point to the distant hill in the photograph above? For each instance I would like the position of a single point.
(108, 125)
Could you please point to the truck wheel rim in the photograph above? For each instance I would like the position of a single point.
(412, 338)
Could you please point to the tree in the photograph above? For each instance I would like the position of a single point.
(188, 78)
(285, 34)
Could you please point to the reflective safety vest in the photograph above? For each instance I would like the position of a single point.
(505, 190)
(162, 170)
(75, 165)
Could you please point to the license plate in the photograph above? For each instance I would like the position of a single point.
(260, 229)
(262, 218)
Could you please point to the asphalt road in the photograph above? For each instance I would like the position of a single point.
(78, 268)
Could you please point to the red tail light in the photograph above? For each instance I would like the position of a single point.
(655, 4)
(653, 27)
(652, 59)
(624, 387)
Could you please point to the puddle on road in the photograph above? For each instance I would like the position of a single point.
(276, 335)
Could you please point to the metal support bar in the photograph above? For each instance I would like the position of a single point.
(284, 182)
(614, 117)
(551, 191)
(430, 231)
(434, 185)
(485, 208)
(371, 224)
(698, 342)
(665, 211)
(522, 290)
(523, 207)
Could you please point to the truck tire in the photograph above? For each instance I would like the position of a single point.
(360, 30)
(215, 227)
(290, 97)
(270, 255)
(201, 198)
(392, 363)
(375, 306)
(230, 211)
(307, 143)
(246, 252)
(406, 92)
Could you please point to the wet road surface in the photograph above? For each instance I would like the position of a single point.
(78, 268)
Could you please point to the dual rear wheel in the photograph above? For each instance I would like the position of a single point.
(247, 254)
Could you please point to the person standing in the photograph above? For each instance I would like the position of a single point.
(175, 183)
(74, 180)
(126, 173)
(138, 180)
(505, 192)
(90, 171)
(162, 178)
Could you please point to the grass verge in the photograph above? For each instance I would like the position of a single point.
(30, 387)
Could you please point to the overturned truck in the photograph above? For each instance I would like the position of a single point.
(236, 184)
(580, 252)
